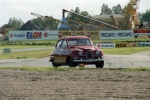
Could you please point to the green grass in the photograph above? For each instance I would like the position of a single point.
(19, 46)
(125, 51)
(27, 68)
(25, 55)
(46, 53)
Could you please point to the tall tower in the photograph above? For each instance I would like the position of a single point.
(132, 14)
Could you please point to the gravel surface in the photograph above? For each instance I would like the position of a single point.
(95, 84)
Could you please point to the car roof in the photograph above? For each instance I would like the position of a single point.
(75, 37)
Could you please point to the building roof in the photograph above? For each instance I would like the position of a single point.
(116, 16)
(29, 26)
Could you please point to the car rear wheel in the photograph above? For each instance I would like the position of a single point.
(54, 64)
(100, 64)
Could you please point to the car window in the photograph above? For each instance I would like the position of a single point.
(72, 42)
(64, 44)
(84, 42)
(59, 44)
(79, 42)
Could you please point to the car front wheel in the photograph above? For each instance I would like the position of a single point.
(54, 64)
(100, 64)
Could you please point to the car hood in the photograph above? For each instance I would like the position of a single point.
(84, 48)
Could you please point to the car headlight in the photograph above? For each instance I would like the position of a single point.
(80, 53)
(97, 52)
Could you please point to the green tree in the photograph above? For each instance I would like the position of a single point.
(75, 17)
(43, 22)
(140, 16)
(38, 22)
(145, 16)
(13, 23)
(117, 9)
(105, 9)
(84, 13)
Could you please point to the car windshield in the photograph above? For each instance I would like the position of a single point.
(79, 42)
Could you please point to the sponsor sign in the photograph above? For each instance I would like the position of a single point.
(143, 44)
(90, 34)
(106, 45)
(32, 35)
(6, 50)
(93, 35)
(121, 45)
(121, 34)
(70, 33)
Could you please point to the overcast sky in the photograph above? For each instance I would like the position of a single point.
(23, 8)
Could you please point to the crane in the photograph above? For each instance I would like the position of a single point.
(45, 23)
(131, 13)
(53, 19)
(112, 17)
(92, 19)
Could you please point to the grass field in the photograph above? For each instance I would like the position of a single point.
(126, 51)
(27, 68)
(20, 46)
(46, 53)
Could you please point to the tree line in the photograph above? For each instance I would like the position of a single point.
(43, 22)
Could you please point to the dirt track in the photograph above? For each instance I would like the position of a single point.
(96, 84)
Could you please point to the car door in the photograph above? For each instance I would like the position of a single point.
(57, 53)
(64, 52)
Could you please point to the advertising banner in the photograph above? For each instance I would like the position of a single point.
(116, 34)
(121, 45)
(106, 45)
(70, 33)
(32, 35)
(143, 44)
(91, 34)
(141, 34)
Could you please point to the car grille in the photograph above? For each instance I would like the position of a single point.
(89, 54)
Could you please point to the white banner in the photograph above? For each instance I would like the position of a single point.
(143, 44)
(114, 34)
(33, 35)
(106, 45)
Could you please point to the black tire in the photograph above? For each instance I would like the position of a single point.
(70, 62)
(54, 64)
(100, 64)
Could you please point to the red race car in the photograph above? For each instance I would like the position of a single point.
(75, 50)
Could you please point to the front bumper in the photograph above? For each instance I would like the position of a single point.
(88, 60)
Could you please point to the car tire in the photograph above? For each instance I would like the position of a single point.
(54, 64)
(70, 62)
(100, 64)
